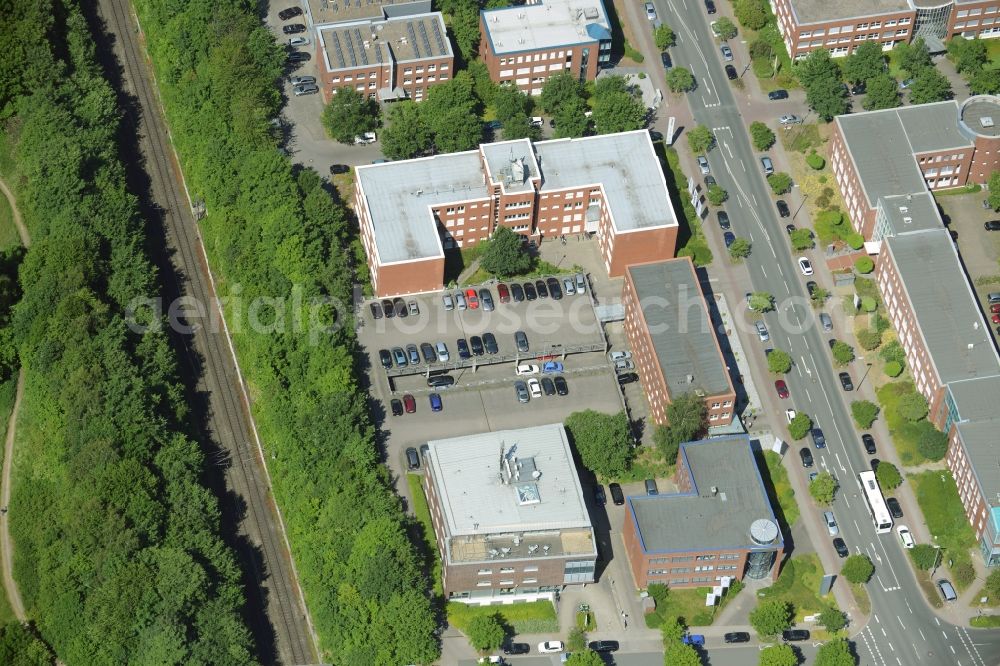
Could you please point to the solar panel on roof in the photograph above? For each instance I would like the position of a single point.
(413, 38)
(337, 50)
(440, 39)
(423, 34)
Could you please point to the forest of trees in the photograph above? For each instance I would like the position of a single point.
(118, 554)
(268, 230)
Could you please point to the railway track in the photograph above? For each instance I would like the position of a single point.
(277, 609)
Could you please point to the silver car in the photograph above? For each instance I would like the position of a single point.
(298, 41)
(521, 390)
(302, 80)
(569, 287)
(831, 523)
(650, 11)
(762, 331)
(581, 283)
(703, 165)
(308, 89)
(449, 302)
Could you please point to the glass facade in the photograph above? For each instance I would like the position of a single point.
(952, 416)
(932, 25)
(759, 563)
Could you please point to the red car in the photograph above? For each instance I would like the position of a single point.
(781, 388)
(504, 293)
(995, 307)
(472, 298)
(409, 404)
(996, 319)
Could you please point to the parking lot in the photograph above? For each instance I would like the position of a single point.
(978, 248)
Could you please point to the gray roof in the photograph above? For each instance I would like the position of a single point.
(548, 24)
(911, 212)
(506, 158)
(627, 167)
(883, 143)
(821, 11)
(399, 196)
(367, 43)
(324, 12)
(467, 477)
(976, 398)
(957, 338)
(676, 316)
(980, 441)
(981, 114)
(701, 520)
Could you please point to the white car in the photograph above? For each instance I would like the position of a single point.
(790, 415)
(650, 11)
(535, 387)
(527, 369)
(298, 41)
(790, 119)
(805, 266)
(365, 139)
(619, 355)
(549, 647)
(623, 365)
(904, 535)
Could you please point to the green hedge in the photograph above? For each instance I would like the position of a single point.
(696, 246)
(118, 555)
(275, 234)
(536, 617)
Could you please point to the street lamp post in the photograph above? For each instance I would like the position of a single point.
(867, 370)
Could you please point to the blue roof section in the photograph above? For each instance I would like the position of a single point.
(598, 32)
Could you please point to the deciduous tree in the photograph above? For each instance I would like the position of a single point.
(716, 195)
(835, 653)
(994, 196)
(843, 353)
(778, 655)
(771, 617)
(680, 79)
(740, 248)
(349, 114)
(505, 255)
(700, 139)
(823, 488)
(687, 419)
(932, 443)
(888, 476)
(571, 119)
(603, 441)
(725, 29)
(779, 362)
(912, 406)
(679, 654)
(617, 111)
(882, 92)
(664, 36)
(969, 55)
(763, 137)
(752, 14)
(405, 134)
(559, 89)
(584, 658)
(865, 63)
(985, 81)
(929, 85)
(913, 57)
(857, 569)
(864, 412)
(780, 182)
(802, 239)
(761, 301)
(799, 426)
(486, 632)
(833, 619)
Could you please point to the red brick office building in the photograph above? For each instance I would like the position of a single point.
(673, 344)
(527, 43)
(609, 186)
(719, 522)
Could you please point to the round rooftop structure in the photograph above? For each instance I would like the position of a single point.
(980, 116)
(763, 531)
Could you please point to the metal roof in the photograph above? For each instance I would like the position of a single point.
(547, 24)
(822, 11)
(624, 164)
(468, 481)
(957, 338)
(676, 316)
(399, 196)
(883, 143)
(980, 441)
(727, 496)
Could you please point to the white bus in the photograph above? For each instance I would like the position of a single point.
(875, 502)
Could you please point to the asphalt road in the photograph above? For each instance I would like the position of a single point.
(903, 629)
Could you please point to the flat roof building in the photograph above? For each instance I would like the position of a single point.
(719, 523)
(509, 515)
(526, 44)
(673, 343)
(610, 186)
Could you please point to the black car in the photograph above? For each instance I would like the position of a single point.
(490, 343)
(874, 462)
(655, 136)
(397, 406)
(782, 208)
(400, 306)
(463, 348)
(818, 438)
(869, 443)
(617, 496)
(477, 345)
(599, 495)
(298, 56)
(790, 635)
(831, 342)
(731, 73)
(440, 381)
(709, 181)
(789, 228)
(427, 349)
(516, 648)
(548, 388)
(555, 291)
(376, 309)
(709, 6)
(603, 646)
(529, 291)
(992, 225)
(543, 291)
(385, 358)
(859, 88)
(561, 387)
(737, 637)
(811, 287)
(723, 220)
(775, 95)
(388, 309)
(412, 459)
(516, 293)
(339, 168)
(895, 510)
(665, 59)
(845, 381)
(286, 14)
(841, 547)
(627, 378)
(293, 28)
(807, 457)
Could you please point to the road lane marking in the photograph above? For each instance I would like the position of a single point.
(763, 271)
(921, 633)
(901, 623)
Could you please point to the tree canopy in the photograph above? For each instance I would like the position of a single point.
(762, 136)
(914, 56)
(823, 488)
(865, 63)
(617, 107)
(779, 362)
(771, 617)
(664, 36)
(864, 412)
(778, 655)
(882, 93)
(603, 441)
(888, 475)
(780, 182)
(687, 420)
(405, 134)
(485, 632)
(820, 77)
(836, 652)
(349, 114)
(843, 353)
(752, 14)
(740, 248)
(725, 29)
(680, 79)
(857, 569)
(571, 119)
(451, 113)
(680, 654)
(558, 90)
(968, 55)
(799, 426)
(505, 254)
(701, 139)
(929, 85)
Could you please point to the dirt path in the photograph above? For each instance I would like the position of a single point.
(6, 546)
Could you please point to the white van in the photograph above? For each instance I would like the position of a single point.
(365, 139)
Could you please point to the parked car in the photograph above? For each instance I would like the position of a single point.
(521, 340)
(651, 488)
(448, 301)
(463, 348)
(529, 291)
(825, 321)
(805, 266)
(526, 369)
(503, 293)
(442, 352)
(947, 591)
(535, 387)
(399, 305)
(549, 647)
(516, 648)
(762, 331)
(874, 463)
(409, 403)
(561, 387)
(729, 238)
(599, 495)
(818, 438)
(413, 354)
(293, 28)
(412, 459)
(627, 378)
(552, 366)
(603, 646)
(471, 298)
(703, 165)
(794, 635)
(298, 41)
(413, 307)
(490, 343)
(845, 381)
(709, 7)
(460, 301)
(992, 225)
(904, 535)
(731, 73)
(568, 287)
(782, 208)
(486, 298)
(619, 355)
(737, 637)
(521, 391)
(617, 496)
(869, 443)
(841, 547)
(307, 89)
(376, 309)
(790, 119)
(859, 88)
(621, 366)
(300, 80)
(782, 388)
(555, 291)
(895, 510)
(435, 400)
(767, 165)
(291, 12)
(806, 456)
(440, 381)
(517, 295)
(298, 56)
(385, 358)
(400, 356)
(543, 291)
(581, 283)
(650, 11)
(476, 345)
(336, 169)
(727, 52)
(831, 523)
(775, 95)
(397, 406)
(723, 220)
